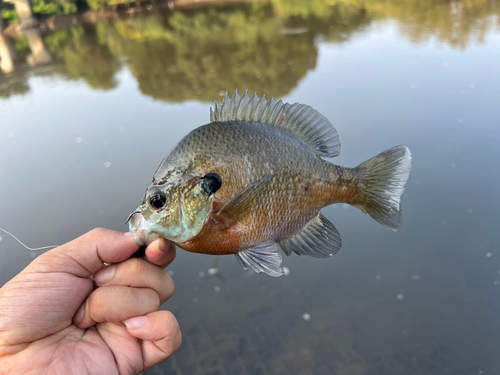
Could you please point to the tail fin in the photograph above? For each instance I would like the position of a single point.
(385, 177)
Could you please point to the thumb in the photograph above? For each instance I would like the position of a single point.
(87, 254)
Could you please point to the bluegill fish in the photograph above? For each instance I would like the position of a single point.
(252, 182)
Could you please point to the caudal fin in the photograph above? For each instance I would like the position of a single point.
(385, 177)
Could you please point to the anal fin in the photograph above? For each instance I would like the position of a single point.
(319, 238)
(264, 257)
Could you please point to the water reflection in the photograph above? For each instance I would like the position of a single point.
(195, 54)
(456, 23)
(39, 54)
(7, 54)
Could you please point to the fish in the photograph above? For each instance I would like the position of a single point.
(253, 181)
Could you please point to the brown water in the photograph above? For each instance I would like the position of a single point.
(88, 112)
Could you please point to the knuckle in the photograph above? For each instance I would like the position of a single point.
(136, 267)
(94, 236)
(169, 288)
(150, 299)
(157, 300)
(98, 232)
(173, 331)
(97, 303)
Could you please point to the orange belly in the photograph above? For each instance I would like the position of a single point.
(217, 237)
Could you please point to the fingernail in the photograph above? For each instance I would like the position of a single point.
(79, 315)
(137, 322)
(104, 275)
(128, 234)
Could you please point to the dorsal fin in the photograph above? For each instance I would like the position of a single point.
(298, 119)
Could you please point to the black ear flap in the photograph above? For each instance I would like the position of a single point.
(211, 183)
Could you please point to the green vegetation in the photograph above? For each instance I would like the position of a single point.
(85, 58)
(265, 47)
(41, 7)
(456, 23)
(98, 4)
(195, 55)
(53, 6)
(8, 13)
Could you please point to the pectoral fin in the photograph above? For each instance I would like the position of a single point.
(319, 239)
(265, 257)
(241, 204)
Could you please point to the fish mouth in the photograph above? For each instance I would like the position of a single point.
(139, 226)
(132, 214)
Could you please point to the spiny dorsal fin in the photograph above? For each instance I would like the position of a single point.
(298, 119)
(319, 239)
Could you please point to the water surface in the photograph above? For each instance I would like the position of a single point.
(87, 115)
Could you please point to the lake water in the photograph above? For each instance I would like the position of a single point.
(87, 112)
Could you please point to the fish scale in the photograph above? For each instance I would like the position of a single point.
(252, 183)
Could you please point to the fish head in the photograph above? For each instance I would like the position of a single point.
(176, 209)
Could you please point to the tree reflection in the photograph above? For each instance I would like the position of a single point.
(195, 55)
(268, 48)
(202, 57)
(13, 85)
(85, 58)
(456, 23)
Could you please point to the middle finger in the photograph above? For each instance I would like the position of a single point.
(116, 304)
(137, 273)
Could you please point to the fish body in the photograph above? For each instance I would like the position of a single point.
(300, 185)
(252, 182)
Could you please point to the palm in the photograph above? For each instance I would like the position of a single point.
(87, 349)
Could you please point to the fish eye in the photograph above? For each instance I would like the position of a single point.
(157, 200)
(211, 183)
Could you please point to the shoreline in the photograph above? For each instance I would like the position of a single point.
(61, 21)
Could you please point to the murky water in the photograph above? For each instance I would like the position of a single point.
(87, 113)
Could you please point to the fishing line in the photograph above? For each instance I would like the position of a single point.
(27, 247)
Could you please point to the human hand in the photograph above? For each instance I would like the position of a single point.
(55, 320)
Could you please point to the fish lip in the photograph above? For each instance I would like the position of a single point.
(139, 227)
(132, 214)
